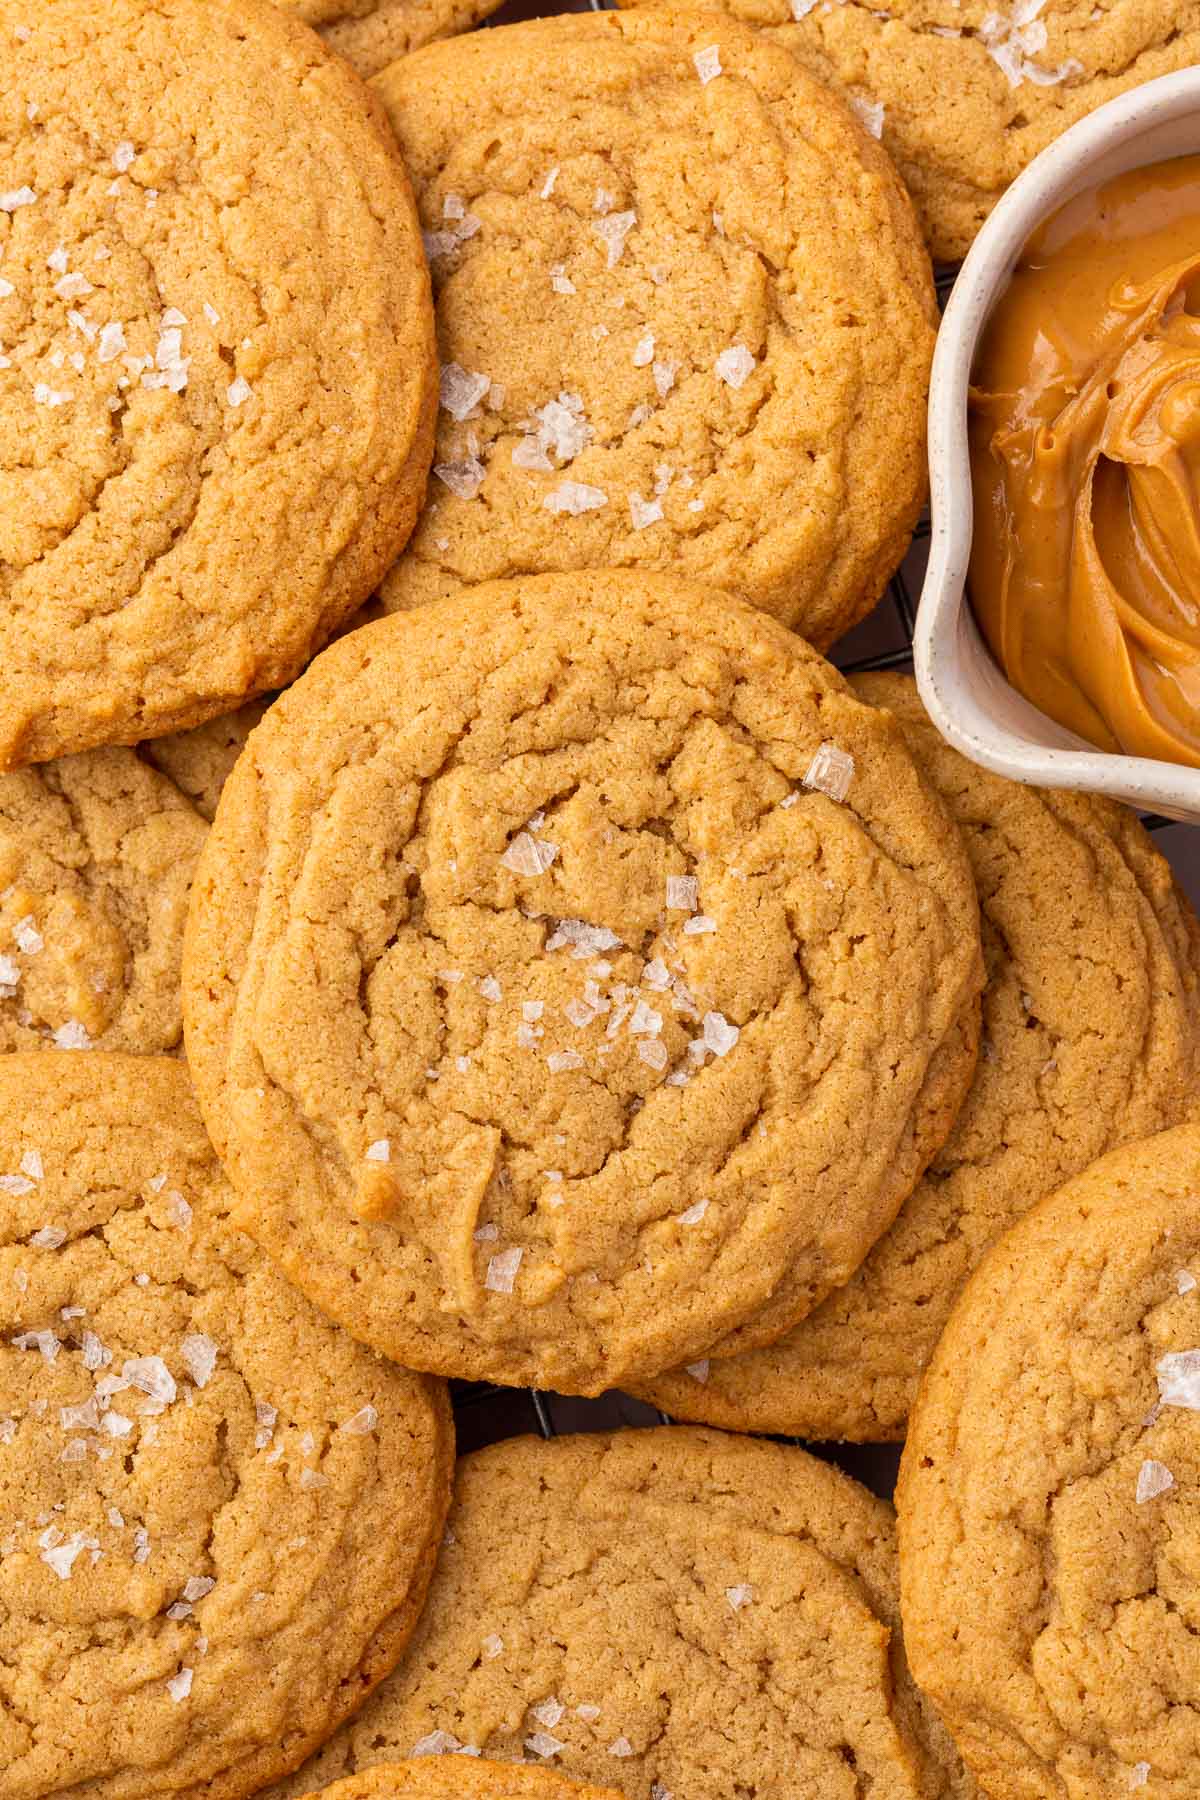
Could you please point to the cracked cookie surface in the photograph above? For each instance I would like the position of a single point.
(550, 1015)
(217, 364)
(680, 1612)
(1091, 1037)
(429, 1778)
(372, 33)
(965, 93)
(96, 859)
(684, 315)
(1048, 1492)
(201, 1479)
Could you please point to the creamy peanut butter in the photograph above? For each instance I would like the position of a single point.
(1085, 459)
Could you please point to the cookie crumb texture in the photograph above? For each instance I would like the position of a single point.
(684, 315)
(971, 92)
(199, 761)
(1048, 1492)
(96, 859)
(680, 1613)
(1091, 1037)
(216, 362)
(429, 1778)
(372, 33)
(548, 1023)
(202, 1481)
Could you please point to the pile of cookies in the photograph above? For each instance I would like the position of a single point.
(455, 923)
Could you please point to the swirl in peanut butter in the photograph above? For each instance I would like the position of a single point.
(1085, 459)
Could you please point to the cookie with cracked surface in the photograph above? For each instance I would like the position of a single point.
(964, 93)
(429, 1778)
(643, 243)
(96, 859)
(548, 1023)
(370, 34)
(681, 1611)
(200, 1477)
(1048, 1520)
(199, 761)
(1091, 1037)
(211, 445)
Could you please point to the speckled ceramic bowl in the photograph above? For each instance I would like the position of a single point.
(963, 687)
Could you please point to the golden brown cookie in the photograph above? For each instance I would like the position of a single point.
(216, 362)
(372, 33)
(198, 761)
(218, 1513)
(429, 1778)
(1091, 1037)
(684, 315)
(1048, 1493)
(965, 93)
(678, 1613)
(96, 859)
(575, 970)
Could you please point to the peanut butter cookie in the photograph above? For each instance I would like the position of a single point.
(372, 33)
(677, 1613)
(576, 969)
(199, 761)
(96, 859)
(965, 93)
(1091, 1037)
(684, 314)
(218, 1513)
(428, 1778)
(1049, 1528)
(217, 364)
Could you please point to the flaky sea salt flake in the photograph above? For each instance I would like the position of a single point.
(464, 478)
(380, 1151)
(613, 230)
(620, 1747)
(22, 196)
(199, 1354)
(869, 114)
(575, 497)
(548, 1712)
(708, 63)
(698, 1370)
(683, 893)
(462, 390)
(1185, 1281)
(180, 1686)
(502, 1271)
(644, 512)
(72, 1036)
(560, 1061)
(363, 1422)
(543, 1744)
(1179, 1379)
(238, 391)
(527, 855)
(1154, 1478)
(735, 366)
(719, 1035)
(830, 772)
(151, 1376)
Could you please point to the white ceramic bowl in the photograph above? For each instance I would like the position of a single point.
(963, 688)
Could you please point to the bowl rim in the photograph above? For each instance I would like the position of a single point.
(944, 618)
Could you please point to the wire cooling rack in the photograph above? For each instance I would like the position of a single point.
(485, 1414)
